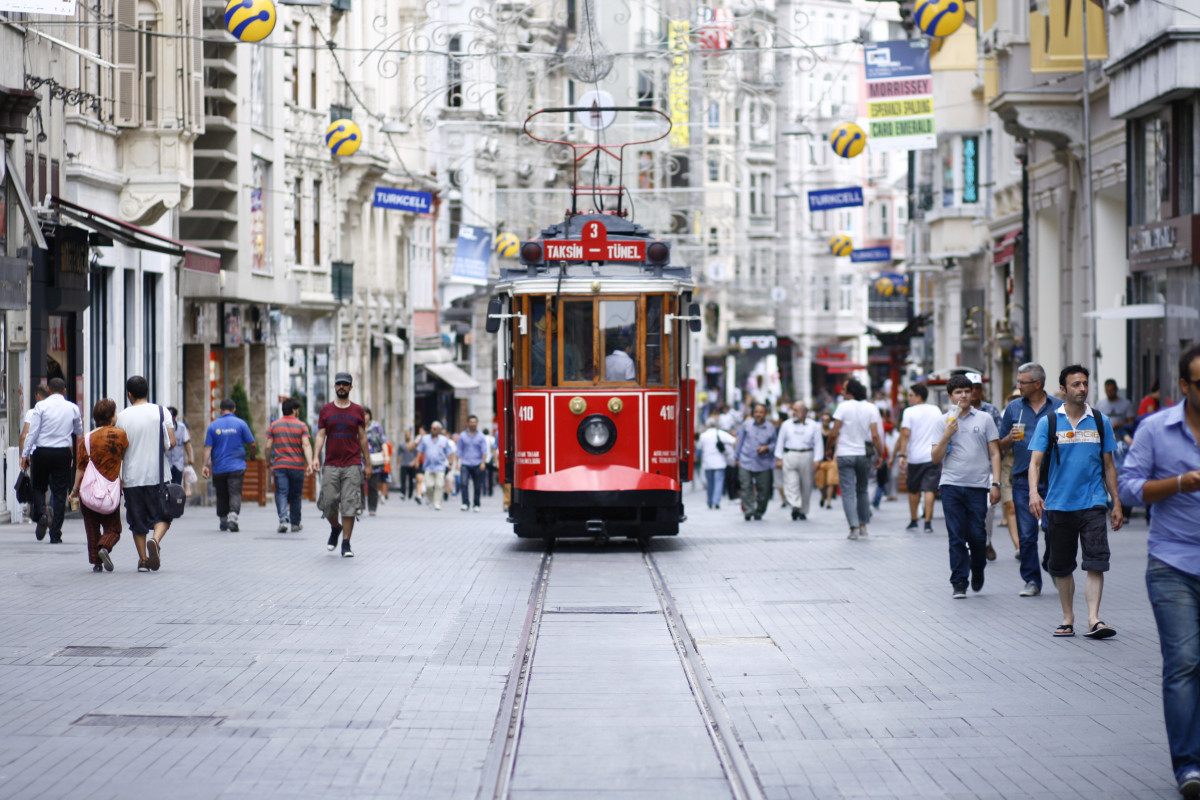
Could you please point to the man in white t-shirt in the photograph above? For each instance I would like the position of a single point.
(619, 365)
(915, 449)
(856, 423)
(145, 472)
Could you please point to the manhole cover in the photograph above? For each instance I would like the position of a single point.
(136, 720)
(87, 651)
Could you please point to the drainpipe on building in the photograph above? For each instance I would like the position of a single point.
(1027, 331)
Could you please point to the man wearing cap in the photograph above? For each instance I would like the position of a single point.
(342, 431)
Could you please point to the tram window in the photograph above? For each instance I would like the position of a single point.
(654, 337)
(578, 335)
(618, 329)
(537, 345)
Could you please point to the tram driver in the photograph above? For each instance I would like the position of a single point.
(619, 365)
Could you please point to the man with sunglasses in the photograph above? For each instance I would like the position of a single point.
(1020, 419)
(342, 431)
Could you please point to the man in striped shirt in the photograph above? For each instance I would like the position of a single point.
(289, 447)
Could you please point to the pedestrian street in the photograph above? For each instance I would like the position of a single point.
(260, 665)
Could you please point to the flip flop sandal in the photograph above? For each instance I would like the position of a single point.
(1065, 630)
(1100, 631)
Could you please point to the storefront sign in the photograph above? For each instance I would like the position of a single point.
(899, 96)
(678, 81)
(1159, 245)
(827, 199)
(763, 340)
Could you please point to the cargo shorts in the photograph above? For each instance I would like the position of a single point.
(341, 491)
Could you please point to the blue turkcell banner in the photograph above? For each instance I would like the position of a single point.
(472, 255)
(871, 254)
(905, 58)
(825, 199)
(403, 200)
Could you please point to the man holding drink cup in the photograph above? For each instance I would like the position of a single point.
(1020, 419)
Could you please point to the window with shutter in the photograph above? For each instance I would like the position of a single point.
(125, 81)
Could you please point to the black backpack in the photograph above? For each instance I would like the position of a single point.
(1052, 456)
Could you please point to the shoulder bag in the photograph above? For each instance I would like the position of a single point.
(96, 491)
(174, 497)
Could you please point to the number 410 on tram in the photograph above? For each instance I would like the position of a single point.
(594, 399)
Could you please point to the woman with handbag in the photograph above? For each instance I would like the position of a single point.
(104, 450)
(375, 441)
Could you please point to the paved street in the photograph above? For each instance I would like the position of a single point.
(257, 664)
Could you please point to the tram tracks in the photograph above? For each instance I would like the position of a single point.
(501, 763)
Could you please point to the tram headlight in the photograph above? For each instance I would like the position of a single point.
(597, 434)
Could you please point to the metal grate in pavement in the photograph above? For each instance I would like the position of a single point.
(816, 601)
(151, 720)
(601, 610)
(88, 651)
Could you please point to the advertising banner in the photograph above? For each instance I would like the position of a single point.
(899, 96)
(871, 254)
(678, 97)
(472, 255)
(826, 199)
(63, 7)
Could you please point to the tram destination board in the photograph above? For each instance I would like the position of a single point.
(594, 246)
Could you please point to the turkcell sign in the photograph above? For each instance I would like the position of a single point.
(871, 254)
(403, 200)
(826, 199)
(602, 250)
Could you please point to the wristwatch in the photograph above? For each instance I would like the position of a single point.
(995, 484)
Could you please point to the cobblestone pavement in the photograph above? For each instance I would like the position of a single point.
(267, 667)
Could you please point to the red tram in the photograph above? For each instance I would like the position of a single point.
(595, 403)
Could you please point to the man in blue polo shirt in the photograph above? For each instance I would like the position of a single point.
(472, 453)
(1016, 426)
(225, 445)
(1080, 470)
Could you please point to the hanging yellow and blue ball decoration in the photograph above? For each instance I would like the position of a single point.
(343, 137)
(250, 20)
(847, 140)
(885, 285)
(939, 18)
(841, 245)
(507, 245)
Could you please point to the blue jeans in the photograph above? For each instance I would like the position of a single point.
(853, 474)
(289, 484)
(965, 508)
(1027, 532)
(1175, 598)
(472, 475)
(715, 480)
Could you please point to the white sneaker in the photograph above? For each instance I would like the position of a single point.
(476, 509)
(466, 508)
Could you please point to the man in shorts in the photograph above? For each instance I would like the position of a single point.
(915, 451)
(342, 431)
(144, 472)
(1080, 465)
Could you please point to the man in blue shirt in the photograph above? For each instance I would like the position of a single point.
(225, 445)
(473, 450)
(1163, 468)
(1016, 426)
(755, 456)
(1079, 466)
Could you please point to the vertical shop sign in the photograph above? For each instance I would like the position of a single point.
(678, 95)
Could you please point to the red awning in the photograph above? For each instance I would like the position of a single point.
(194, 258)
(1006, 248)
(838, 365)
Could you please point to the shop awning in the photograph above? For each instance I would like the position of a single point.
(194, 258)
(461, 382)
(1006, 248)
(838, 365)
(395, 341)
(1145, 311)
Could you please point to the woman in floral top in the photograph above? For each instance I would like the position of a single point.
(108, 444)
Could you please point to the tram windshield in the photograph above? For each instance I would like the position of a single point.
(595, 340)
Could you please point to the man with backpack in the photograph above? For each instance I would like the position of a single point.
(1075, 445)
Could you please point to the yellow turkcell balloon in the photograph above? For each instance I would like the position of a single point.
(939, 18)
(507, 245)
(250, 20)
(841, 245)
(884, 285)
(847, 140)
(343, 137)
